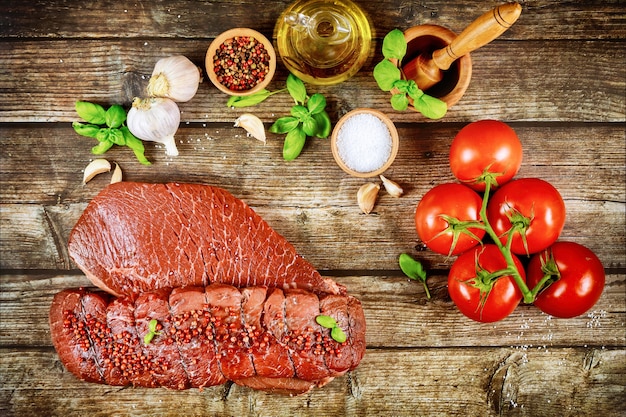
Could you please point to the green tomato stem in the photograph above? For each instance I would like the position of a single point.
(540, 285)
(511, 269)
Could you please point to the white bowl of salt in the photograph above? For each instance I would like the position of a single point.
(364, 143)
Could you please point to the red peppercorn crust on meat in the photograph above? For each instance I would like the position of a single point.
(227, 296)
(260, 337)
(136, 237)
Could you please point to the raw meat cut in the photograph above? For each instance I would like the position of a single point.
(260, 337)
(137, 237)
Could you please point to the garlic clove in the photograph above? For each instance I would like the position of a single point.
(367, 196)
(95, 167)
(253, 125)
(117, 174)
(176, 78)
(392, 187)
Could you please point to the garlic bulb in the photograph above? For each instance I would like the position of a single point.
(175, 77)
(155, 119)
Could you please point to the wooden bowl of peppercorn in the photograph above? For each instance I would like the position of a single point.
(241, 61)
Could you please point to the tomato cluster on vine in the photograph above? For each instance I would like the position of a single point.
(511, 218)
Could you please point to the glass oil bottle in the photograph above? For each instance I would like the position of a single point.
(323, 42)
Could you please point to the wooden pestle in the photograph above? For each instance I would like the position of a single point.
(428, 70)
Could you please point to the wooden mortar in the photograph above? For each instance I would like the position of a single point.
(425, 39)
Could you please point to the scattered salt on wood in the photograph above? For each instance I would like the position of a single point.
(364, 143)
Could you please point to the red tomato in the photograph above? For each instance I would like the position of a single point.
(476, 299)
(580, 284)
(456, 201)
(537, 201)
(485, 145)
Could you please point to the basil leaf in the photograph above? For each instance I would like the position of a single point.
(386, 74)
(294, 142)
(135, 144)
(316, 103)
(412, 268)
(115, 116)
(414, 91)
(338, 335)
(117, 137)
(284, 124)
(103, 135)
(399, 102)
(91, 112)
(394, 45)
(152, 325)
(148, 338)
(300, 112)
(296, 88)
(309, 125)
(402, 85)
(88, 130)
(326, 321)
(251, 100)
(431, 107)
(323, 124)
(101, 148)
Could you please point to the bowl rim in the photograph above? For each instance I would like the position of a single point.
(395, 142)
(229, 34)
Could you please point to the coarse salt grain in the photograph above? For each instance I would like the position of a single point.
(364, 143)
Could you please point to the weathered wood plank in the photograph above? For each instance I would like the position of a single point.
(529, 80)
(397, 312)
(325, 225)
(408, 382)
(44, 163)
(332, 238)
(329, 238)
(540, 19)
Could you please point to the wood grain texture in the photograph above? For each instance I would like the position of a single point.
(452, 382)
(557, 77)
(529, 81)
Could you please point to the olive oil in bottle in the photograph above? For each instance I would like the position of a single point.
(323, 42)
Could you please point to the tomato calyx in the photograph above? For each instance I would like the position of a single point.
(551, 273)
(484, 281)
(519, 224)
(458, 227)
(486, 177)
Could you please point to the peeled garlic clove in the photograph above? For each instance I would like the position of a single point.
(392, 187)
(174, 77)
(367, 195)
(155, 119)
(117, 174)
(95, 167)
(252, 124)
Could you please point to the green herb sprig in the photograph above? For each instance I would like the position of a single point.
(388, 76)
(308, 117)
(335, 331)
(107, 126)
(414, 270)
(152, 331)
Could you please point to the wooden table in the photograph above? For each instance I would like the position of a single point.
(557, 77)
